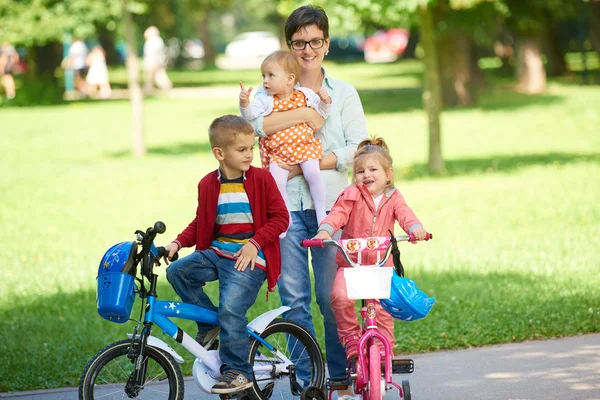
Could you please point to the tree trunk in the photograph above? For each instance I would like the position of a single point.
(107, 41)
(530, 71)
(135, 91)
(210, 53)
(595, 24)
(555, 55)
(456, 68)
(44, 60)
(411, 46)
(432, 97)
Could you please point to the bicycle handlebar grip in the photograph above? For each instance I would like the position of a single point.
(312, 243)
(160, 227)
(412, 238)
(162, 252)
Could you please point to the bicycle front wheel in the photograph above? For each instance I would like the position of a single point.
(107, 375)
(291, 362)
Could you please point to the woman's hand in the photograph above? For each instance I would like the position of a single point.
(313, 119)
(294, 170)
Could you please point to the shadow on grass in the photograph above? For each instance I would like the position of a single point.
(472, 309)
(177, 149)
(391, 100)
(408, 99)
(499, 163)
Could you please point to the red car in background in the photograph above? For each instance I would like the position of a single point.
(386, 46)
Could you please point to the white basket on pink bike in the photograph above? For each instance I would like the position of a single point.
(368, 282)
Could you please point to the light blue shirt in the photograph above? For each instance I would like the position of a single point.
(343, 130)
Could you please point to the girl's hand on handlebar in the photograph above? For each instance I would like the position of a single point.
(419, 233)
(323, 235)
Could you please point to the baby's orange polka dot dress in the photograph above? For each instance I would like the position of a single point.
(292, 145)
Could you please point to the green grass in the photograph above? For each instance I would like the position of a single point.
(515, 217)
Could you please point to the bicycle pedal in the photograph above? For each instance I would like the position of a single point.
(338, 383)
(405, 366)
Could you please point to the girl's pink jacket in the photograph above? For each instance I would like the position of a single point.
(354, 212)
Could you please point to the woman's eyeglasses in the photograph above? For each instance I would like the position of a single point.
(301, 44)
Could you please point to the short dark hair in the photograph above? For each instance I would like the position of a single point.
(306, 16)
(223, 130)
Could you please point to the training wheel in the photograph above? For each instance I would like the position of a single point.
(312, 393)
(406, 390)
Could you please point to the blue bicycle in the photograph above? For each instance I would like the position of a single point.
(286, 358)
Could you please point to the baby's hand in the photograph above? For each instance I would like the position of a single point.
(244, 96)
(325, 98)
(323, 235)
(419, 232)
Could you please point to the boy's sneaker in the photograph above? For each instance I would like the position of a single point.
(232, 381)
(209, 340)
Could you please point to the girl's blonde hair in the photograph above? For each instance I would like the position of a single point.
(375, 147)
(285, 60)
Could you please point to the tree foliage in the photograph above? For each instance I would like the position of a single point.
(37, 22)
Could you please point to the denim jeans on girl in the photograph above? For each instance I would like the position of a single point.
(237, 293)
(295, 290)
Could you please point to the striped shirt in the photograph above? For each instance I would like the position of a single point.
(234, 223)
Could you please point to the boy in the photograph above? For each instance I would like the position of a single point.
(239, 218)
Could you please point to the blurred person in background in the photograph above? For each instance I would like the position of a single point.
(155, 61)
(97, 76)
(8, 60)
(76, 59)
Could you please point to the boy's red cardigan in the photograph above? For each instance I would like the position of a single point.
(269, 213)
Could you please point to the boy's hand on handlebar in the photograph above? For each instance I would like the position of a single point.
(246, 255)
(323, 235)
(419, 233)
(170, 250)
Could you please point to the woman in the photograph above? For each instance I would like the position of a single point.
(307, 36)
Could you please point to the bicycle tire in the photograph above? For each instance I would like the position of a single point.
(406, 394)
(110, 368)
(374, 372)
(299, 346)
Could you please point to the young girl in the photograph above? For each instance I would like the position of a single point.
(296, 144)
(369, 207)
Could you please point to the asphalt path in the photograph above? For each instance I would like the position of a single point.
(567, 368)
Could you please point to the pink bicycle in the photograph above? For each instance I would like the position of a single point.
(399, 296)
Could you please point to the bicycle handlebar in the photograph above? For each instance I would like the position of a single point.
(348, 246)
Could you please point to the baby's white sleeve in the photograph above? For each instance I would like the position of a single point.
(262, 105)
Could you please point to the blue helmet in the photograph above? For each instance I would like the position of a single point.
(119, 258)
(407, 302)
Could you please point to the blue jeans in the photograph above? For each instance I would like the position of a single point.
(237, 293)
(294, 287)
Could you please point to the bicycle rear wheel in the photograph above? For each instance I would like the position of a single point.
(274, 376)
(107, 374)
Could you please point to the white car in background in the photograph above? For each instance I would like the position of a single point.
(248, 49)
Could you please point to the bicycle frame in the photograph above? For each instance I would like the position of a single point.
(159, 312)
